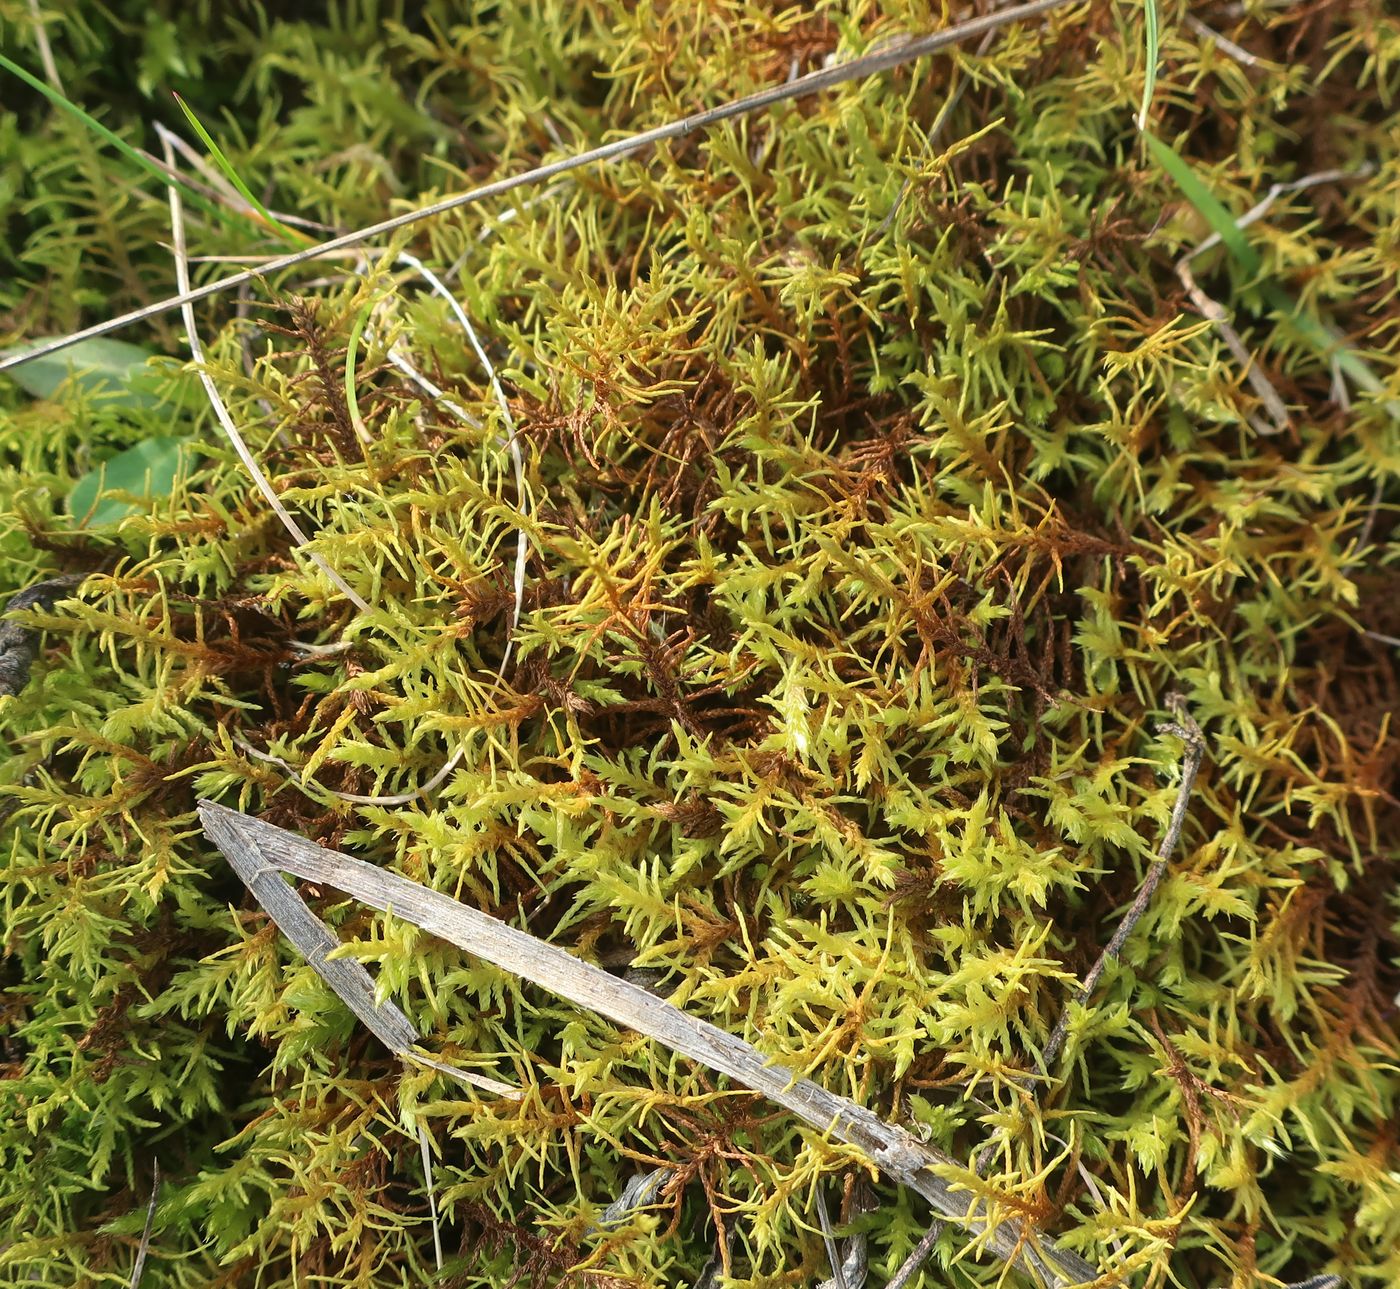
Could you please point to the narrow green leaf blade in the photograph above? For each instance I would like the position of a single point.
(232, 175)
(133, 154)
(1211, 209)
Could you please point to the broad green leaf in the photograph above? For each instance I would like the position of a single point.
(113, 369)
(147, 471)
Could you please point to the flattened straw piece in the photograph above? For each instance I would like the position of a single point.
(260, 850)
(347, 977)
(182, 277)
(871, 64)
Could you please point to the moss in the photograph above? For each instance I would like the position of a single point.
(869, 535)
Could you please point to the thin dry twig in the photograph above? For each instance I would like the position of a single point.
(1189, 732)
(874, 63)
(169, 141)
(138, 1268)
(918, 1255)
(522, 548)
(306, 650)
(1263, 205)
(1238, 52)
(438, 778)
(261, 852)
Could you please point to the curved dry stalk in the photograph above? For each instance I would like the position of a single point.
(522, 544)
(221, 413)
(41, 39)
(522, 548)
(245, 455)
(1262, 386)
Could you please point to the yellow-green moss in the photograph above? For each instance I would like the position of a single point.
(865, 554)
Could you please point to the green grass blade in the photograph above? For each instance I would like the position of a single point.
(122, 146)
(1329, 344)
(1153, 35)
(352, 350)
(1317, 334)
(1221, 222)
(224, 164)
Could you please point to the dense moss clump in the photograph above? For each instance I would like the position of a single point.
(883, 485)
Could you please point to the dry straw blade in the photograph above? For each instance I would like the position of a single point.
(262, 852)
(245, 849)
